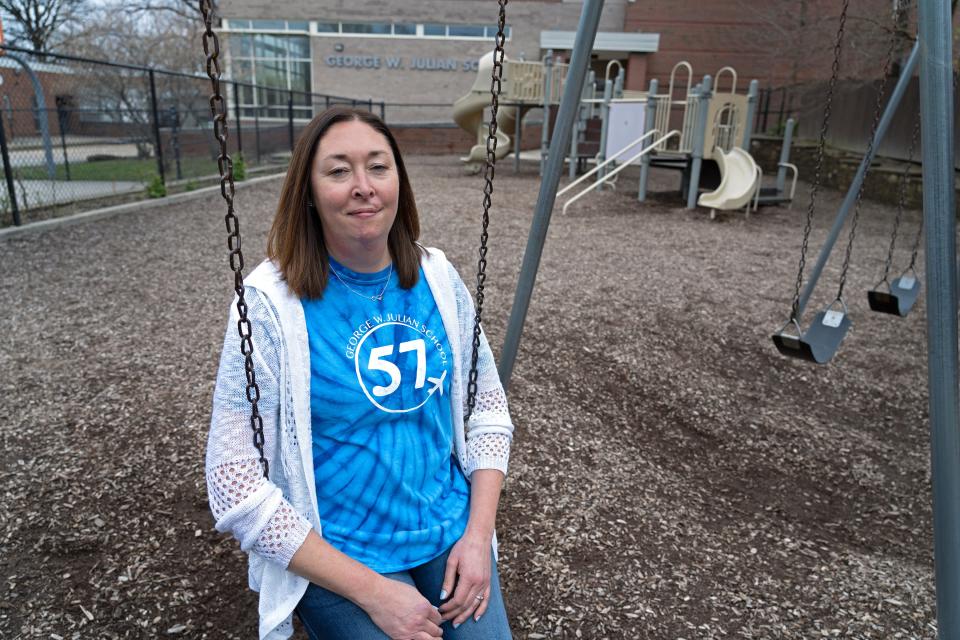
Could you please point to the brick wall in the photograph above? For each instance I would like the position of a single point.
(17, 105)
(774, 41)
(438, 140)
(432, 140)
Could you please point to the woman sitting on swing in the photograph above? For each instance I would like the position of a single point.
(377, 520)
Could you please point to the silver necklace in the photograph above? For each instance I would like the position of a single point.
(376, 298)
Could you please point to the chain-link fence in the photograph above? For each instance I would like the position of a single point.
(78, 134)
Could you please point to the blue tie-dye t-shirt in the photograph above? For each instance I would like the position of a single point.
(389, 491)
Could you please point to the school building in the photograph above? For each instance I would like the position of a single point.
(425, 53)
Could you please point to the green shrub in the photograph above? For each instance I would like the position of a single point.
(239, 168)
(191, 185)
(156, 188)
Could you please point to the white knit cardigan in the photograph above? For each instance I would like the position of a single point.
(271, 518)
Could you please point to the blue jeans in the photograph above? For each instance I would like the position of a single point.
(328, 616)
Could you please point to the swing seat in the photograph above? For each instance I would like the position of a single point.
(820, 341)
(899, 298)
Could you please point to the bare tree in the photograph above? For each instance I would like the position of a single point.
(39, 22)
(188, 9)
(798, 38)
(160, 40)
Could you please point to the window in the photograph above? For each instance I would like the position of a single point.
(300, 77)
(243, 72)
(244, 44)
(266, 45)
(268, 25)
(462, 31)
(234, 24)
(407, 30)
(465, 31)
(277, 63)
(298, 47)
(366, 27)
(272, 73)
(492, 32)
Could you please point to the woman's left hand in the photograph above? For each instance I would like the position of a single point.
(468, 570)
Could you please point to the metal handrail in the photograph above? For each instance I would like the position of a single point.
(716, 79)
(606, 162)
(691, 116)
(725, 135)
(616, 100)
(626, 164)
(793, 186)
(673, 72)
(756, 189)
(606, 73)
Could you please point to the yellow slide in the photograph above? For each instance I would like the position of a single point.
(468, 114)
(738, 181)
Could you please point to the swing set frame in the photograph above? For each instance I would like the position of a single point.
(933, 52)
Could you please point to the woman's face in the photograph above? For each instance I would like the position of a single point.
(355, 189)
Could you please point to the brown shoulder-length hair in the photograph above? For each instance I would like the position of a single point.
(296, 241)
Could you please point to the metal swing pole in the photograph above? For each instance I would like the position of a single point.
(851, 197)
(559, 143)
(936, 114)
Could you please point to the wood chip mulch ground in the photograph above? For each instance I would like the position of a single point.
(672, 476)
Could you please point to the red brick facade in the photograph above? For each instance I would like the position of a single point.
(431, 140)
(775, 41)
(427, 139)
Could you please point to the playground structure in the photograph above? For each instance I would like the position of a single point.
(713, 148)
(468, 112)
(710, 145)
(525, 85)
(704, 134)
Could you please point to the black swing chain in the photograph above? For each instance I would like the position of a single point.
(218, 108)
(878, 111)
(818, 166)
(496, 77)
(901, 201)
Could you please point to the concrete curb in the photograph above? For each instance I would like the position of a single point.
(108, 212)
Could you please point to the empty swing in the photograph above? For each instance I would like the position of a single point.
(824, 335)
(820, 342)
(901, 292)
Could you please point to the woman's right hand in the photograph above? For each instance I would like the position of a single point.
(402, 612)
